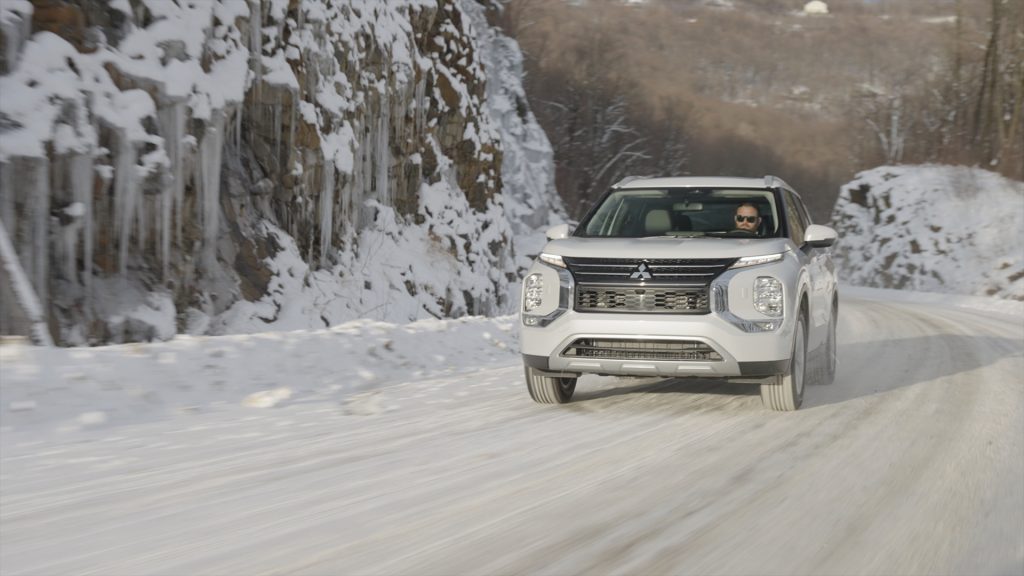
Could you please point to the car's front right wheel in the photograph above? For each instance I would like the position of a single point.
(785, 392)
(549, 389)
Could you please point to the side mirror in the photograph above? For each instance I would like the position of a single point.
(559, 232)
(818, 236)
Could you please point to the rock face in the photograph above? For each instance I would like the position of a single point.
(242, 165)
(932, 228)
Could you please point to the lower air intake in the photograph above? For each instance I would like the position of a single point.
(622, 349)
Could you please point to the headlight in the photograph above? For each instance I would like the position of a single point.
(533, 292)
(756, 260)
(553, 259)
(768, 296)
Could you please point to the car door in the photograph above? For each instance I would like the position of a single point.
(814, 259)
(826, 272)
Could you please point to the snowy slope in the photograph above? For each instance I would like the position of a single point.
(932, 228)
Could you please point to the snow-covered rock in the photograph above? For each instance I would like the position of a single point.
(932, 228)
(265, 164)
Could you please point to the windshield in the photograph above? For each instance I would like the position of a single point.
(684, 212)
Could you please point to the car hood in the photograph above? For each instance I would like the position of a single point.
(666, 247)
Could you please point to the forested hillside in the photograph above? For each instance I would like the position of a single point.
(748, 87)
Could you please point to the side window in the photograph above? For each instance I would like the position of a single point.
(795, 219)
(806, 214)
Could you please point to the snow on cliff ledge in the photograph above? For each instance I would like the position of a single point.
(932, 228)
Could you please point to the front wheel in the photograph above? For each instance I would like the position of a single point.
(549, 389)
(829, 375)
(785, 392)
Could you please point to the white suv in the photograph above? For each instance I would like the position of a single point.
(663, 278)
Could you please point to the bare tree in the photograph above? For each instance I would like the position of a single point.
(997, 115)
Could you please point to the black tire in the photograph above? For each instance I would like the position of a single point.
(549, 389)
(829, 357)
(785, 392)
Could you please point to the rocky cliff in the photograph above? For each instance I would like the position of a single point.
(239, 165)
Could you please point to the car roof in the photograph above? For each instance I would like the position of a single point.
(692, 182)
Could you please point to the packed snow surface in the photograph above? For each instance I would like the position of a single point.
(408, 449)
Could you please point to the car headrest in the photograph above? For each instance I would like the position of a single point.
(657, 222)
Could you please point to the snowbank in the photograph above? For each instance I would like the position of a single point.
(932, 228)
(990, 305)
(67, 390)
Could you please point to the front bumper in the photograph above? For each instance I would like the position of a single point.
(743, 354)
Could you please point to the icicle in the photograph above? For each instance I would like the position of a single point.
(367, 152)
(291, 128)
(166, 194)
(172, 127)
(16, 30)
(64, 251)
(7, 194)
(37, 255)
(420, 113)
(82, 174)
(210, 153)
(238, 128)
(102, 214)
(276, 124)
(327, 211)
(27, 299)
(383, 157)
(256, 43)
(143, 203)
(125, 195)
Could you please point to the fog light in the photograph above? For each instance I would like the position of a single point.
(768, 298)
(533, 292)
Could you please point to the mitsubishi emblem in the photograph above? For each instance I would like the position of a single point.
(642, 272)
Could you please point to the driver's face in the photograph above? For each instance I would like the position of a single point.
(747, 218)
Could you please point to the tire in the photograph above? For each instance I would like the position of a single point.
(785, 392)
(549, 389)
(829, 359)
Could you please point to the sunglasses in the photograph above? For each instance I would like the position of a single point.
(750, 219)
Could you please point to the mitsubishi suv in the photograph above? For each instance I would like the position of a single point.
(685, 277)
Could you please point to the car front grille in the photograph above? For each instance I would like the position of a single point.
(655, 299)
(690, 271)
(624, 349)
(646, 286)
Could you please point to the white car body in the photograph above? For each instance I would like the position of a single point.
(591, 308)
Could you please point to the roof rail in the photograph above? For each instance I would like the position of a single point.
(625, 181)
(775, 182)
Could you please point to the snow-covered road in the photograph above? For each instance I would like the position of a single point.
(912, 462)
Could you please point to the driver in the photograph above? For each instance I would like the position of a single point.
(747, 219)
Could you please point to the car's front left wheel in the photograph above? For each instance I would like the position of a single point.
(830, 355)
(785, 392)
(549, 389)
